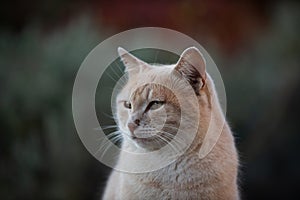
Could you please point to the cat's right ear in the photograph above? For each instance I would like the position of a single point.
(133, 65)
(192, 66)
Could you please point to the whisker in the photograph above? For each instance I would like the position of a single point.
(112, 138)
(177, 140)
(118, 75)
(107, 127)
(109, 135)
(111, 77)
(155, 58)
(120, 84)
(113, 141)
(119, 68)
(108, 115)
(177, 128)
(167, 143)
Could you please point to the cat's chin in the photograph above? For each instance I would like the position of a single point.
(150, 143)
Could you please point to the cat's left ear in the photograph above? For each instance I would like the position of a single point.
(192, 67)
(133, 65)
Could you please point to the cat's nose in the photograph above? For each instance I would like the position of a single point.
(137, 122)
(133, 125)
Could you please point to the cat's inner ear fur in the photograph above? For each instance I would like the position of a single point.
(133, 65)
(191, 66)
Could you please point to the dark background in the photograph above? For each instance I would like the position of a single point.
(255, 44)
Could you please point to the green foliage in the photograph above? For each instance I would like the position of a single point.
(43, 156)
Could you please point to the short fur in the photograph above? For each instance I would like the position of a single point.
(189, 177)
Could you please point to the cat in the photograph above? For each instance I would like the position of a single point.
(143, 106)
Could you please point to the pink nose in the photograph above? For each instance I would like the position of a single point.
(133, 125)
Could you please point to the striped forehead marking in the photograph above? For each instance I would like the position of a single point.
(141, 93)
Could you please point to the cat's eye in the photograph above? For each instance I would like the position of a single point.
(127, 104)
(153, 105)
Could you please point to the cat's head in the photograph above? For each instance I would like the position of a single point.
(149, 112)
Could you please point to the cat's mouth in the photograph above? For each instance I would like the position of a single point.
(143, 139)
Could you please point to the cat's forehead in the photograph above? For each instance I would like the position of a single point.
(147, 84)
(149, 91)
(153, 73)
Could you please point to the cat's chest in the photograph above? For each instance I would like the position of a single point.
(184, 174)
(174, 185)
(184, 179)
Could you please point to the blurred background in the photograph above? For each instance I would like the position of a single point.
(255, 44)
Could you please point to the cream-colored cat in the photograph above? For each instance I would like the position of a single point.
(149, 116)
